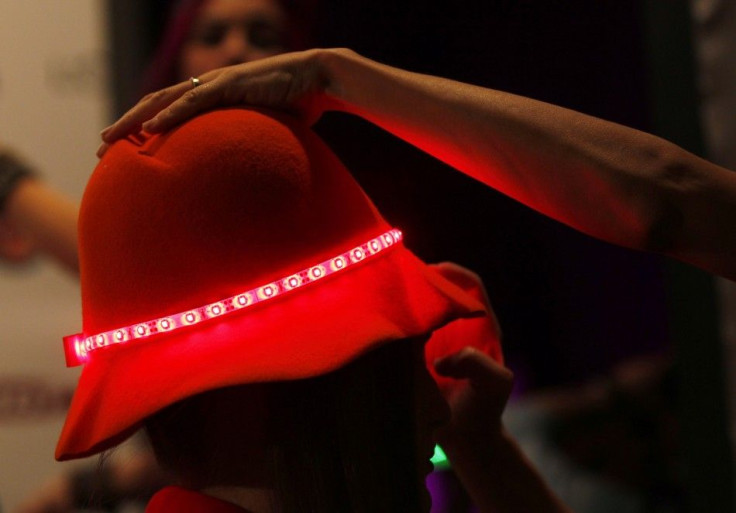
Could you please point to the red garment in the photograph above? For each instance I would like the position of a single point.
(173, 499)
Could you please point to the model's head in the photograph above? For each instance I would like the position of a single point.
(229, 32)
(202, 35)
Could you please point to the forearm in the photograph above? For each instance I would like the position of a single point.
(48, 218)
(604, 179)
(609, 181)
(500, 479)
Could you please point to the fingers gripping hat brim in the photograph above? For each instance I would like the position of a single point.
(228, 201)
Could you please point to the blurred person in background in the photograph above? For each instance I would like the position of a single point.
(200, 35)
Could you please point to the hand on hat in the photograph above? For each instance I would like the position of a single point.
(477, 399)
(295, 82)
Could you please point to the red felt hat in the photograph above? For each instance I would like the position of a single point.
(234, 249)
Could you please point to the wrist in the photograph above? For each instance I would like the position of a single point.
(479, 450)
(336, 66)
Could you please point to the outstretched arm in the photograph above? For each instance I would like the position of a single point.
(46, 218)
(609, 181)
(34, 216)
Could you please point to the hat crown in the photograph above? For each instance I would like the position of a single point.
(229, 200)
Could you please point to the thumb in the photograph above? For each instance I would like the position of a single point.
(470, 363)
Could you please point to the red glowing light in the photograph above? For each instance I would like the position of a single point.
(77, 347)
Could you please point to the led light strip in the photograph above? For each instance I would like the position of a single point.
(77, 348)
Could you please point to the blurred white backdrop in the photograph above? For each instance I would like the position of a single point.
(53, 103)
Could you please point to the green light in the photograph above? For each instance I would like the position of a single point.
(439, 460)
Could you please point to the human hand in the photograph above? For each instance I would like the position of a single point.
(297, 82)
(14, 247)
(476, 399)
(465, 359)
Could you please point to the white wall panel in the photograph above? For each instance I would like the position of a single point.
(53, 104)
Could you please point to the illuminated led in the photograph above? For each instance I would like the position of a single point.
(267, 291)
(439, 459)
(78, 346)
(165, 324)
(292, 282)
(316, 272)
(216, 309)
(190, 317)
(337, 263)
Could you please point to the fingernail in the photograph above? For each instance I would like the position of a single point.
(102, 149)
(105, 131)
(149, 125)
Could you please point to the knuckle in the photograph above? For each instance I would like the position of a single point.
(468, 352)
(193, 96)
(155, 96)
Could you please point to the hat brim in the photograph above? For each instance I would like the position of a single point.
(300, 335)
